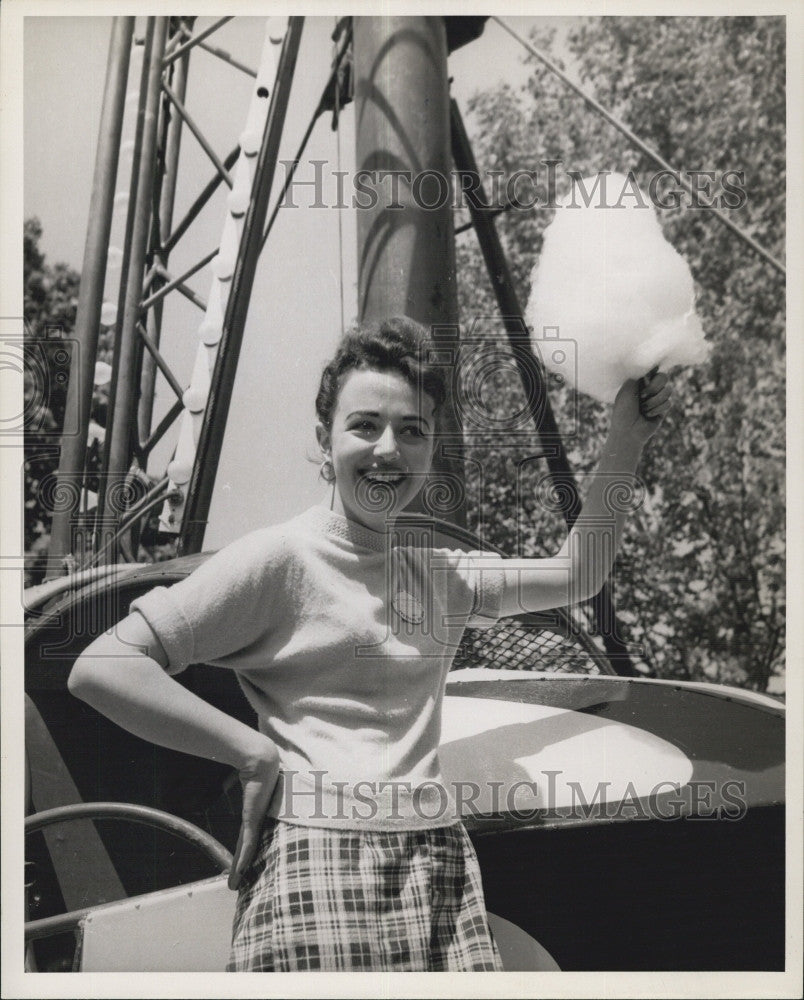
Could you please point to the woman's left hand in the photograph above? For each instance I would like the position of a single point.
(641, 405)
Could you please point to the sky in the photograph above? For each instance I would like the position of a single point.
(266, 474)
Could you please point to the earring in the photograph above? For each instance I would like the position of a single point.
(327, 471)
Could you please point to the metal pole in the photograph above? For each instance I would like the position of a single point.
(210, 442)
(326, 102)
(172, 145)
(156, 436)
(405, 240)
(197, 39)
(530, 370)
(147, 46)
(229, 58)
(120, 447)
(90, 297)
(194, 210)
(195, 128)
(529, 366)
(175, 282)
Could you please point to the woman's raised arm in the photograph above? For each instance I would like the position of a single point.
(585, 560)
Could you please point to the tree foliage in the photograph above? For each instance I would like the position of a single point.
(700, 578)
(51, 300)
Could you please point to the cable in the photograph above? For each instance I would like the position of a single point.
(320, 109)
(338, 157)
(636, 141)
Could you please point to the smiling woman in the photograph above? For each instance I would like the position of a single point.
(377, 411)
(352, 853)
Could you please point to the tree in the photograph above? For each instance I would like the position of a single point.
(50, 301)
(700, 578)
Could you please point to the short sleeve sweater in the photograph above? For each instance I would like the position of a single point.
(342, 644)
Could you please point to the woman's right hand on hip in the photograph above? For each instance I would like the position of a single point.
(258, 778)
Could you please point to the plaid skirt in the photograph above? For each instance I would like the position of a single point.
(320, 898)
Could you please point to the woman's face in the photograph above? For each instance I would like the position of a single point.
(380, 445)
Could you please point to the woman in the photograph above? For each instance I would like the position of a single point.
(351, 853)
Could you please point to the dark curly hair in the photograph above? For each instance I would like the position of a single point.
(397, 344)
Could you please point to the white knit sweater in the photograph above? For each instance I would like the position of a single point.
(342, 643)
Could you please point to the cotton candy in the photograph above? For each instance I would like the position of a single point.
(610, 297)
